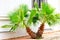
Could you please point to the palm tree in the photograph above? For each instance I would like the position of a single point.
(24, 17)
(19, 17)
(46, 15)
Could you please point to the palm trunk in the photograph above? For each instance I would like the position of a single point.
(31, 33)
(40, 31)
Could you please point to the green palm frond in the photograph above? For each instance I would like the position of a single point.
(14, 27)
(57, 16)
(21, 14)
(7, 26)
(35, 15)
(25, 9)
(41, 15)
(35, 18)
(51, 19)
(47, 13)
(32, 14)
(14, 18)
(47, 8)
(17, 17)
(36, 5)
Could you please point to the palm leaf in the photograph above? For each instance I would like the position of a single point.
(32, 14)
(24, 8)
(7, 26)
(36, 5)
(47, 8)
(57, 16)
(14, 17)
(18, 16)
(14, 27)
(52, 20)
(21, 14)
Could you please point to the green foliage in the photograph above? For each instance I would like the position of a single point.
(35, 18)
(7, 26)
(14, 27)
(24, 8)
(47, 14)
(32, 14)
(44, 14)
(36, 5)
(57, 16)
(51, 19)
(48, 9)
(18, 15)
(14, 17)
(23, 11)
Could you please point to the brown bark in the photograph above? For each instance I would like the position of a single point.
(40, 31)
(31, 33)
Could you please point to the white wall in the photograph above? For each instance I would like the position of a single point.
(8, 5)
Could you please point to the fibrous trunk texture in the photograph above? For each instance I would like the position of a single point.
(38, 34)
(40, 31)
(31, 33)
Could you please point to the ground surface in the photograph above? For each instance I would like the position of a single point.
(53, 35)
